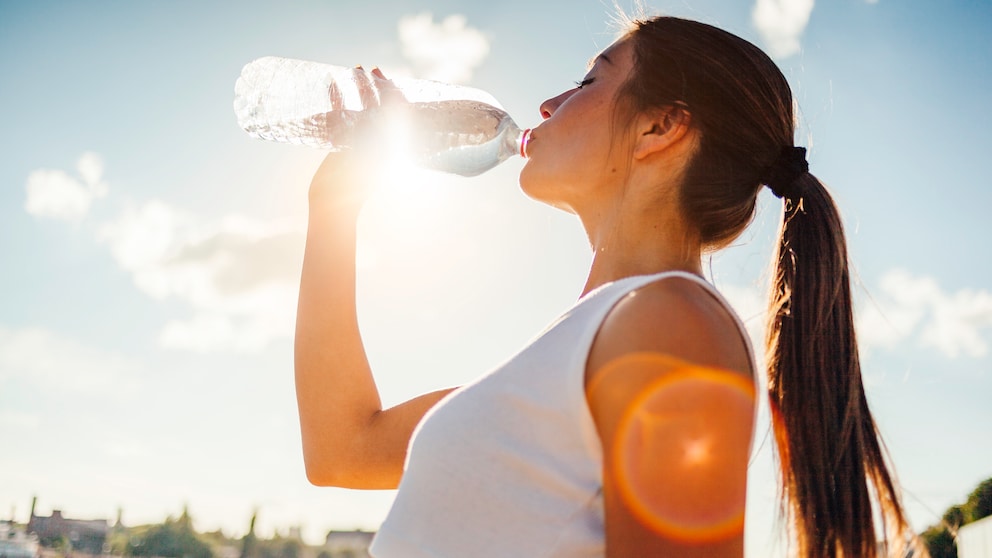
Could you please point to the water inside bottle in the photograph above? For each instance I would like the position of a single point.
(333, 131)
(462, 137)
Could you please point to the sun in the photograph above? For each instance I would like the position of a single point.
(400, 183)
(407, 219)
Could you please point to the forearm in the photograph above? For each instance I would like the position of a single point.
(336, 393)
(348, 439)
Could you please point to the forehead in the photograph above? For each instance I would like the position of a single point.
(613, 54)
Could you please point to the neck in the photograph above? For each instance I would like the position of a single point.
(627, 243)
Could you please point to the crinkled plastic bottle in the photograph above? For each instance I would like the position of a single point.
(451, 128)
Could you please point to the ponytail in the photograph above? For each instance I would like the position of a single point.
(835, 480)
(831, 458)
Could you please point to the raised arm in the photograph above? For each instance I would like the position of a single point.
(349, 440)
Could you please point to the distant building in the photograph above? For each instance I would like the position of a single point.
(15, 542)
(975, 539)
(85, 535)
(349, 543)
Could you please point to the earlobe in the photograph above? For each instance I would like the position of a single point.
(661, 129)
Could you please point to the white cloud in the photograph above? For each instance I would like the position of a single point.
(238, 276)
(90, 167)
(54, 194)
(781, 24)
(19, 420)
(954, 323)
(53, 362)
(445, 51)
(904, 308)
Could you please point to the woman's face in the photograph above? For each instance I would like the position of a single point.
(575, 157)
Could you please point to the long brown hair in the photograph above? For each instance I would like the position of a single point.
(834, 476)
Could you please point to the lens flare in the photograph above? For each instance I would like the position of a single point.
(679, 459)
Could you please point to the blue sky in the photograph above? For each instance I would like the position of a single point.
(150, 249)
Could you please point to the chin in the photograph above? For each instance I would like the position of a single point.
(541, 190)
(534, 185)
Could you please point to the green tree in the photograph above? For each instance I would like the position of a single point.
(278, 547)
(940, 542)
(955, 516)
(979, 504)
(940, 538)
(118, 541)
(290, 548)
(172, 539)
(249, 542)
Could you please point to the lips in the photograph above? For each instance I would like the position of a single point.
(528, 140)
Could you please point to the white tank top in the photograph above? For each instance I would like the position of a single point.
(511, 465)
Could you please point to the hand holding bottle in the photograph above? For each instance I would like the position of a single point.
(449, 128)
(344, 177)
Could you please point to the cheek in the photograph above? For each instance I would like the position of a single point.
(576, 159)
(572, 156)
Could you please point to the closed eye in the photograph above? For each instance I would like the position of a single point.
(585, 82)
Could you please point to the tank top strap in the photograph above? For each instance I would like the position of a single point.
(640, 281)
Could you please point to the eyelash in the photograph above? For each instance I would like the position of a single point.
(583, 83)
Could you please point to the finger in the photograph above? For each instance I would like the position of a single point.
(388, 92)
(368, 91)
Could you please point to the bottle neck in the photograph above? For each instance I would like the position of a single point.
(521, 141)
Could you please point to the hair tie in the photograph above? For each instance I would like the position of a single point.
(781, 176)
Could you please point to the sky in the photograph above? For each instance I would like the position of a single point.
(151, 250)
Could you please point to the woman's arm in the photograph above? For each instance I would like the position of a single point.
(349, 440)
(670, 388)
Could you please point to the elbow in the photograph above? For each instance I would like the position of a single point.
(320, 476)
(335, 471)
(328, 476)
(348, 473)
(322, 470)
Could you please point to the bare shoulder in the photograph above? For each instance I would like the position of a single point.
(668, 383)
(675, 317)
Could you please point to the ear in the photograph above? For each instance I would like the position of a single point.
(660, 129)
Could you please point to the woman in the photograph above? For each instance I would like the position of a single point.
(624, 429)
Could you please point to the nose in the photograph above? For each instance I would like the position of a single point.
(549, 106)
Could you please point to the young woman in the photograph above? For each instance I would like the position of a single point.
(624, 429)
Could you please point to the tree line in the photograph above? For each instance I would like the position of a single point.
(941, 538)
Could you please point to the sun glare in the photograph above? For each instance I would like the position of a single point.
(680, 452)
(697, 452)
(400, 182)
(406, 224)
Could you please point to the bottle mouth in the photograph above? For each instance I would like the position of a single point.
(524, 138)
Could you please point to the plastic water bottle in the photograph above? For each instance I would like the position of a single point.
(450, 128)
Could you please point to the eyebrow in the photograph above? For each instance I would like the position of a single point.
(603, 56)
